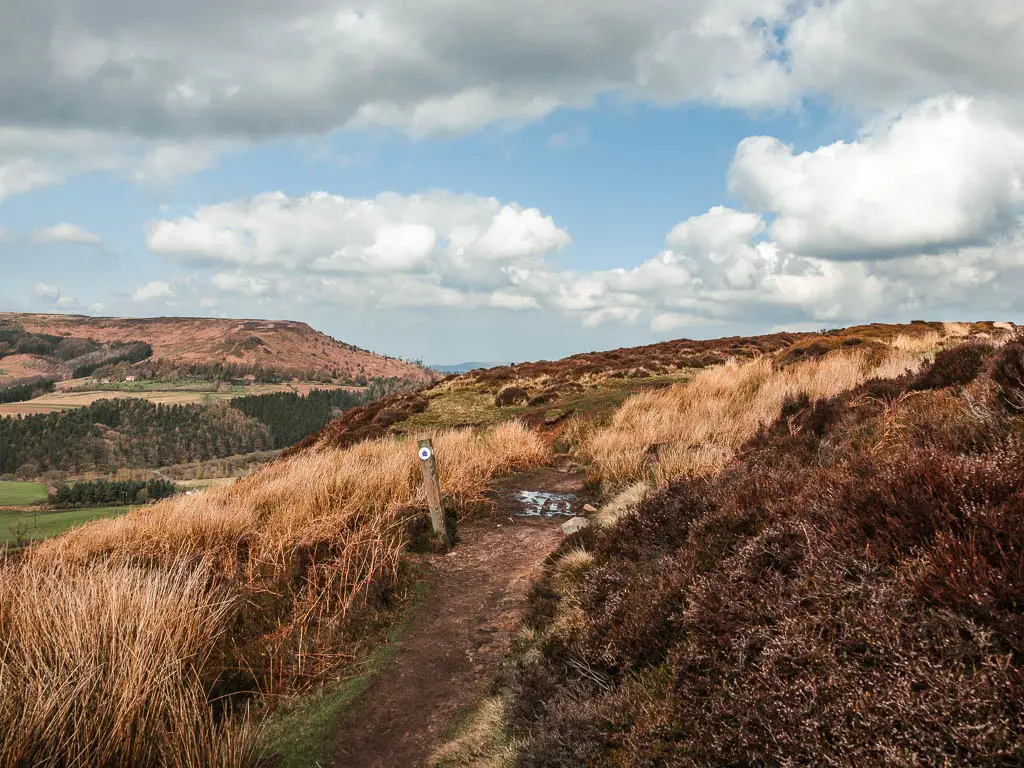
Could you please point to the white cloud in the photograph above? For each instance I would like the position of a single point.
(153, 95)
(945, 173)
(430, 249)
(316, 65)
(164, 163)
(884, 53)
(65, 233)
(19, 175)
(32, 159)
(153, 291)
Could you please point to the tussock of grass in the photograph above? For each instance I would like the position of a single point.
(625, 501)
(126, 628)
(105, 665)
(574, 561)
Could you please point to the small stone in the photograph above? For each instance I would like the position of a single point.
(589, 509)
(575, 525)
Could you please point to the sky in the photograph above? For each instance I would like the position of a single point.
(449, 180)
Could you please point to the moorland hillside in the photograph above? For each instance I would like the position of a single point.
(808, 551)
(180, 342)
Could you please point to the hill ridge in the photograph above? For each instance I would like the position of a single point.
(285, 344)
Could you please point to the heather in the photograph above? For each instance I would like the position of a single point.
(845, 586)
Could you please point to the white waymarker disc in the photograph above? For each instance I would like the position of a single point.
(425, 453)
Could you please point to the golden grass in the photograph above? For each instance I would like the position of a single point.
(103, 666)
(625, 501)
(957, 330)
(481, 742)
(573, 562)
(111, 628)
(325, 494)
(695, 428)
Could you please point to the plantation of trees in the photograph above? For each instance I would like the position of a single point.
(125, 433)
(166, 370)
(111, 434)
(95, 493)
(290, 417)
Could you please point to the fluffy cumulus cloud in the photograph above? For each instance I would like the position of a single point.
(717, 268)
(430, 249)
(946, 173)
(442, 250)
(720, 268)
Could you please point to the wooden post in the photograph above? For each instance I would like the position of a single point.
(428, 463)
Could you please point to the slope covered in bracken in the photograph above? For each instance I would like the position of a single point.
(279, 344)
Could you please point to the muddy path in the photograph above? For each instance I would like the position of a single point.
(459, 636)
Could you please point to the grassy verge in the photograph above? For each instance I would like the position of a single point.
(42, 525)
(300, 733)
(15, 494)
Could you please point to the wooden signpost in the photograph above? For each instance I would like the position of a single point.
(428, 463)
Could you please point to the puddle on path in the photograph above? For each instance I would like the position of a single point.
(546, 504)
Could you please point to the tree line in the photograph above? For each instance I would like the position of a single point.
(290, 417)
(127, 352)
(111, 434)
(26, 389)
(97, 493)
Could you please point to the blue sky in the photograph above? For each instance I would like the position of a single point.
(522, 181)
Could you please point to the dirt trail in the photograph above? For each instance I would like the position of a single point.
(459, 636)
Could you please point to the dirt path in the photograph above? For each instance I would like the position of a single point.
(458, 638)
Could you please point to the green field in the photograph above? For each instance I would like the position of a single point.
(15, 494)
(44, 524)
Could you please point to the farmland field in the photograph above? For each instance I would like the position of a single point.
(199, 392)
(45, 524)
(15, 494)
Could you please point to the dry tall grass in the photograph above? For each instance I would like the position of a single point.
(693, 429)
(113, 636)
(104, 666)
(481, 742)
